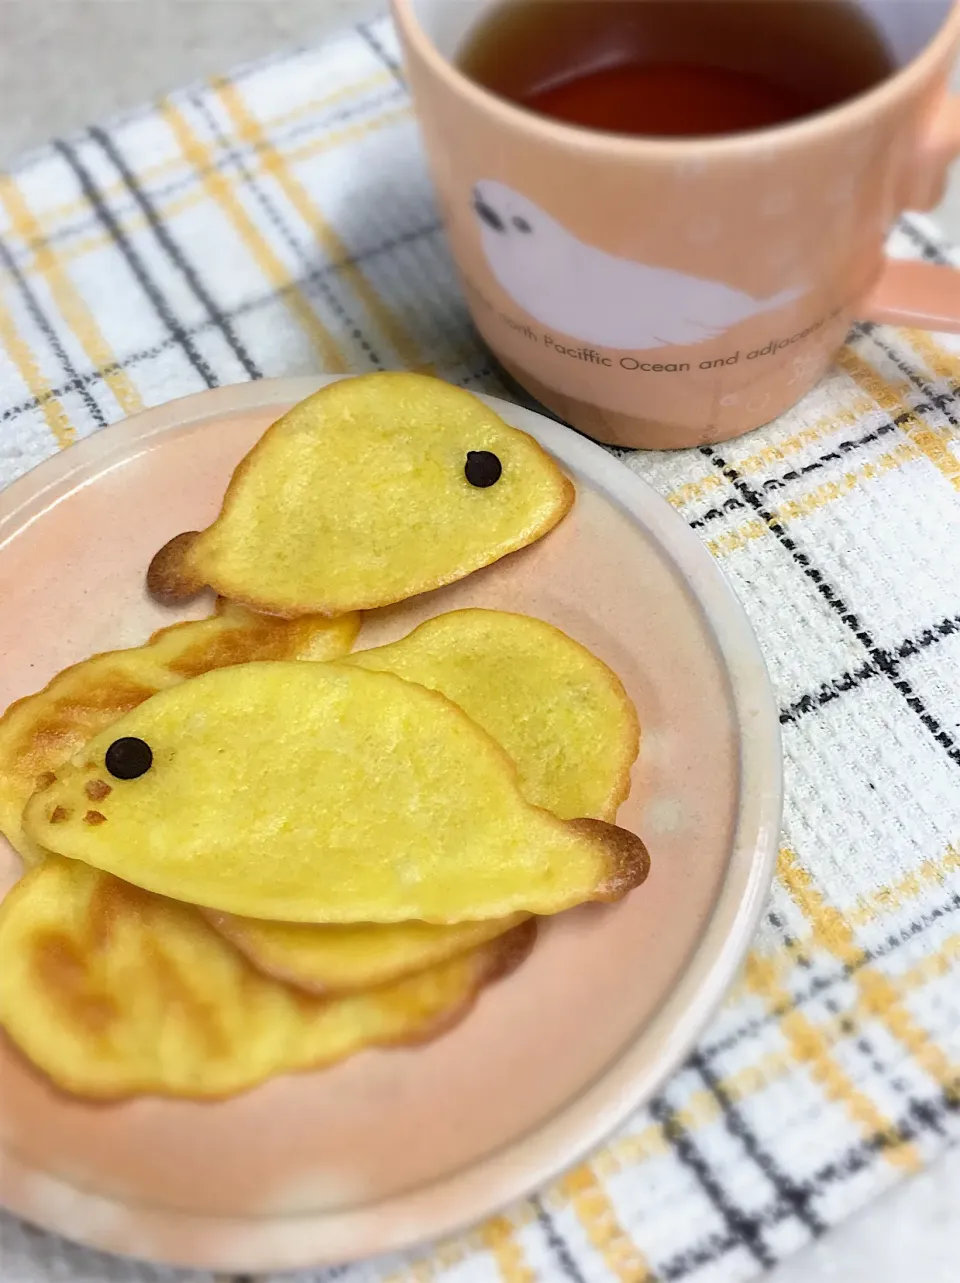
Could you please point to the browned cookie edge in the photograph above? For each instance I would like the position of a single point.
(168, 579)
(628, 856)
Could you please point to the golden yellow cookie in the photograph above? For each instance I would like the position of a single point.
(560, 713)
(322, 793)
(115, 992)
(562, 716)
(42, 731)
(359, 497)
(323, 959)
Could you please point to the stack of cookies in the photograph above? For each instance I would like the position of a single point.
(250, 851)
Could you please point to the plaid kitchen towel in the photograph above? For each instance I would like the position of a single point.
(281, 222)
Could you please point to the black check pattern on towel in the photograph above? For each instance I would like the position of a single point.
(280, 221)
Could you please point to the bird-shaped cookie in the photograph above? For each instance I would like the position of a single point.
(323, 793)
(370, 491)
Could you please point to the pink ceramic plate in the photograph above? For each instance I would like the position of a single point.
(396, 1147)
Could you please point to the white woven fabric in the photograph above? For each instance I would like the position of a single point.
(281, 222)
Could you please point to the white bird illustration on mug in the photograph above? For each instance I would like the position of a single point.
(596, 297)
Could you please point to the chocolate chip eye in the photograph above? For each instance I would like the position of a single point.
(128, 759)
(522, 225)
(482, 469)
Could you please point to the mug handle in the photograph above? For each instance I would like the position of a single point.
(923, 296)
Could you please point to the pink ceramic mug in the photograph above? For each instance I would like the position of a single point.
(670, 292)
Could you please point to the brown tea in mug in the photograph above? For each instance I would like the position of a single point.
(669, 68)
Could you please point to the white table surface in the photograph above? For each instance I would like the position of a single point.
(66, 62)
